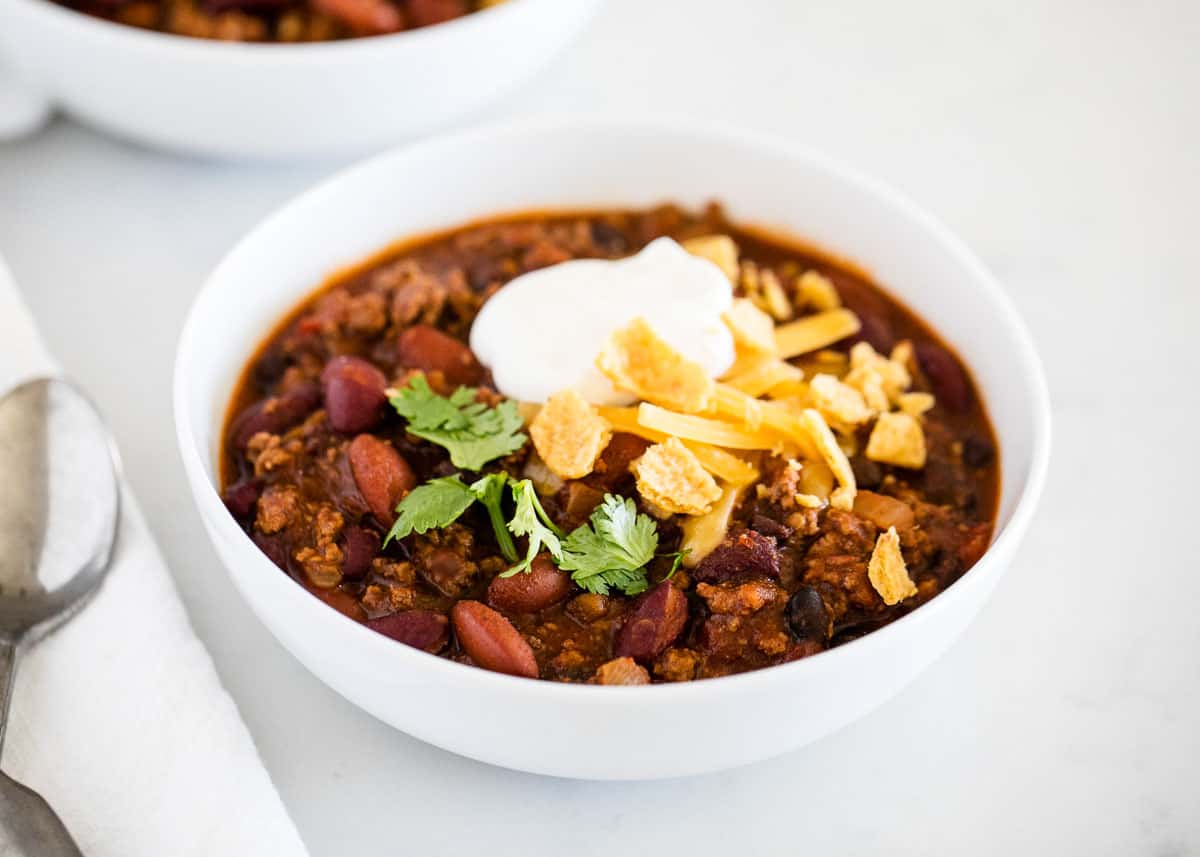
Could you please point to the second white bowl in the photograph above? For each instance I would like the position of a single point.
(281, 100)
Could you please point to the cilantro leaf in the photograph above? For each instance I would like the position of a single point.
(470, 431)
(489, 490)
(612, 549)
(437, 503)
(531, 520)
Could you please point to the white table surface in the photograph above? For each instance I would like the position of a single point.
(1060, 139)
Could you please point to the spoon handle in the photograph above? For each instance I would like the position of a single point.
(8, 671)
(28, 825)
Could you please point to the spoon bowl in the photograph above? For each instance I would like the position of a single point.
(59, 508)
(59, 505)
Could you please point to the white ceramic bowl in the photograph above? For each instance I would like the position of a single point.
(274, 100)
(589, 731)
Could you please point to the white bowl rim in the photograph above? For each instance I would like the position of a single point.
(1026, 362)
(266, 53)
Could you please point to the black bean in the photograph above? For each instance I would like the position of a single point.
(867, 473)
(977, 451)
(806, 615)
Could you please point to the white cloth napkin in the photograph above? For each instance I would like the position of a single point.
(119, 719)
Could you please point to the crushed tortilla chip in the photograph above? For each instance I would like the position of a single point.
(826, 443)
(815, 291)
(868, 366)
(752, 329)
(869, 382)
(569, 434)
(718, 249)
(762, 286)
(774, 296)
(887, 571)
(639, 361)
(671, 478)
(897, 439)
(915, 404)
(842, 406)
(810, 501)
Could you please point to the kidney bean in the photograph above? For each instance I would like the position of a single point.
(807, 617)
(491, 640)
(770, 528)
(354, 394)
(746, 554)
(360, 546)
(947, 378)
(613, 464)
(427, 348)
(421, 629)
(422, 13)
(275, 414)
(241, 498)
(656, 621)
(382, 476)
(875, 330)
(531, 591)
(274, 548)
(871, 309)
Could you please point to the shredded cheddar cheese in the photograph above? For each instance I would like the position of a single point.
(814, 332)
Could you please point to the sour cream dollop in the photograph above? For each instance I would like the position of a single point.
(541, 333)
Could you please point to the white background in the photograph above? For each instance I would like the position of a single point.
(1061, 139)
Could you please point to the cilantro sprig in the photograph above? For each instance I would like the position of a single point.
(531, 520)
(471, 431)
(612, 550)
(440, 502)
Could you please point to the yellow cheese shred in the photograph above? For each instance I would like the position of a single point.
(814, 332)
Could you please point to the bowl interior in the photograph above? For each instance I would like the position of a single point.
(448, 181)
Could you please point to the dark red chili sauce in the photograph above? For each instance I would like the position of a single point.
(787, 582)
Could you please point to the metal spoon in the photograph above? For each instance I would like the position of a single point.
(59, 505)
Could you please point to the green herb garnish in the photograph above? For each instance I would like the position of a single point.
(489, 491)
(440, 502)
(470, 431)
(531, 520)
(613, 549)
